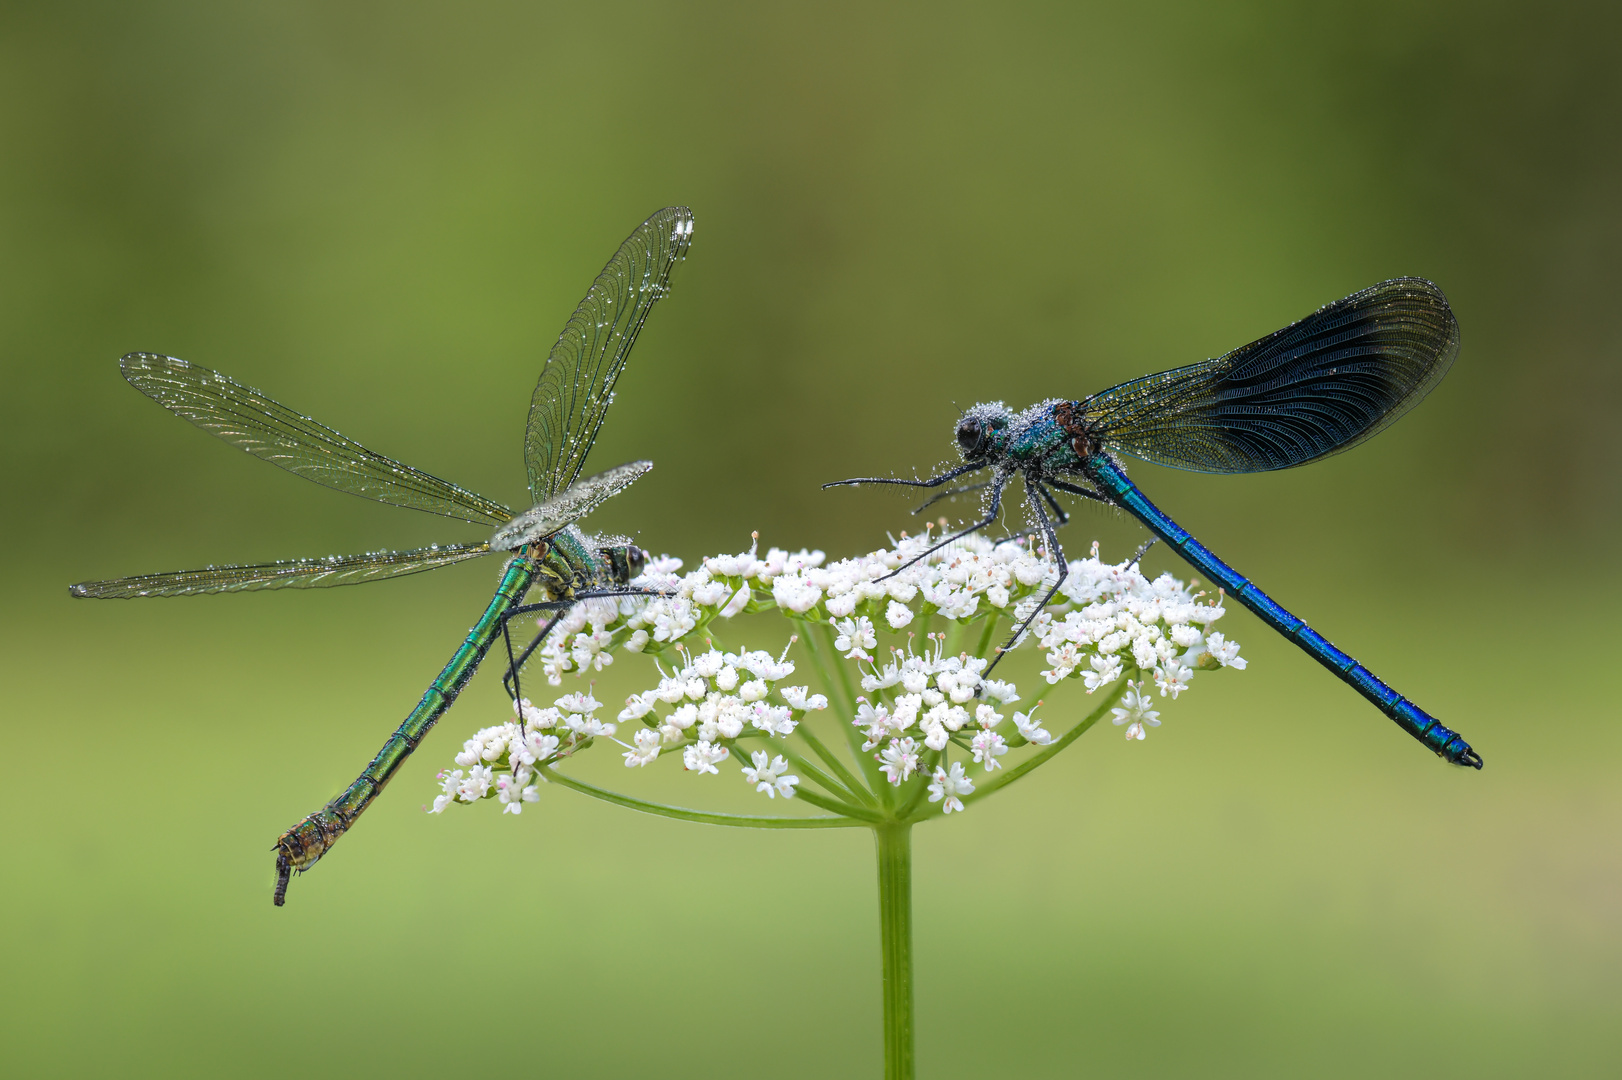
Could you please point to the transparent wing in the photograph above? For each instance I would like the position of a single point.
(1314, 388)
(575, 502)
(577, 384)
(272, 432)
(293, 574)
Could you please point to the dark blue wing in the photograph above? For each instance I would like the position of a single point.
(1314, 388)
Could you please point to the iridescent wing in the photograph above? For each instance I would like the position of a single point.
(577, 384)
(272, 432)
(292, 574)
(1314, 388)
(575, 502)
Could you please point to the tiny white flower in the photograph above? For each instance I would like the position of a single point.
(712, 594)
(477, 783)
(1172, 677)
(703, 757)
(1031, 729)
(899, 760)
(675, 621)
(1105, 670)
(516, 790)
(856, 636)
(1185, 636)
(950, 786)
(589, 727)
(795, 594)
(988, 746)
(647, 746)
(841, 605)
(534, 717)
(905, 712)
(450, 784)
(770, 779)
(534, 746)
(578, 703)
(801, 699)
(637, 706)
(897, 615)
(1225, 651)
(1134, 711)
(999, 691)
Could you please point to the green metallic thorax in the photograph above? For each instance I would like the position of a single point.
(1036, 437)
(566, 562)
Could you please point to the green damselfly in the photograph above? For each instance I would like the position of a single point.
(549, 555)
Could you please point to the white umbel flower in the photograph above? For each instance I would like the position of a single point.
(771, 779)
(950, 786)
(920, 697)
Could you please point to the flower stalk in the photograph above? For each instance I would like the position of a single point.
(893, 841)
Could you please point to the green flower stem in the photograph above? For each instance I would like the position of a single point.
(837, 767)
(833, 787)
(986, 636)
(862, 813)
(853, 738)
(806, 635)
(894, 842)
(852, 791)
(739, 821)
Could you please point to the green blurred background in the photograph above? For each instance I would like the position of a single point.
(383, 213)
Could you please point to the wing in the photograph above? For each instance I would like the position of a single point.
(577, 384)
(292, 574)
(272, 432)
(576, 501)
(1312, 389)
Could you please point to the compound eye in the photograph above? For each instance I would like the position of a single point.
(636, 558)
(970, 436)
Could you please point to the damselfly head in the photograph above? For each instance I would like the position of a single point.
(635, 557)
(625, 561)
(979, 430)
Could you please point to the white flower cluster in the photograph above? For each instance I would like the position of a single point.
(501, 761)
(952, 582)
(1121, 620)
(918, 702)
(924, 696)
(711, 701)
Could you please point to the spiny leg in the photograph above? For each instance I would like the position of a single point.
(997, 484)
(933, 481)
(1087, 493)
(1058, 511)
(509, 679)
(1074, 489)
(947, 494)
(1051, 535)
